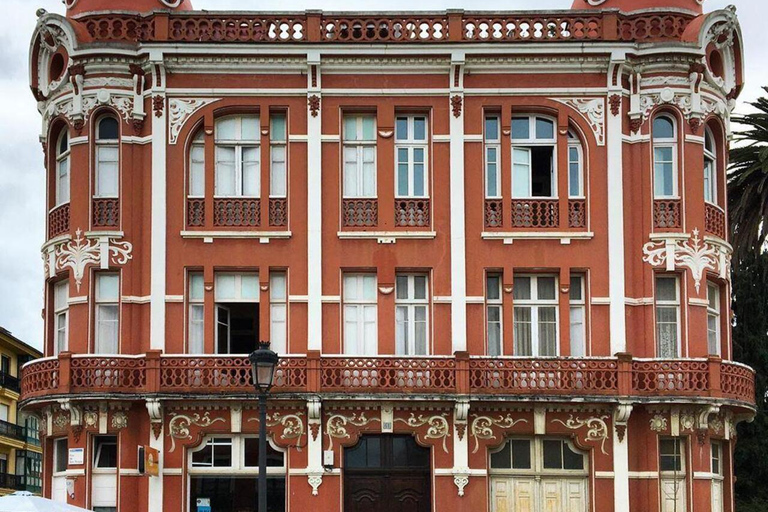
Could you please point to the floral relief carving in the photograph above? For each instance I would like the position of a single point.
(716, 424)
(91, 419)
(615, 102)
(687, 420)
(597, 429)
(158, 105)
(293, 425)
(336, 426)
(179, 111)
(593, 111)
(314, 104)
(461, 482)
(482, 427)
(693, 254)
(438, 426)
(60, 421)
(456, 103)
(659, 423)
(77, 254)
(119, 420)
(180, 423)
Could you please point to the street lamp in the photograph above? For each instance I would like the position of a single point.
(263, 363)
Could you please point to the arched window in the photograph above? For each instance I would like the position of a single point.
(62, 168)
(238, 159)
(533, 157)
(197, 166)
(107, 157)
(710, 167)
(664, 157)
(575, 166)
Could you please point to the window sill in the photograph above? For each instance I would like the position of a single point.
(263, 236)
(565, 237)
(386, 237)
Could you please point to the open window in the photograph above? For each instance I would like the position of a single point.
(533, 157)
(237, 312)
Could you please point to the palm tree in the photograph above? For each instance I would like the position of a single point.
(748, 182)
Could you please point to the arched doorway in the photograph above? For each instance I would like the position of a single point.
(387, 473)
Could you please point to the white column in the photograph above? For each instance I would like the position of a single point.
(461, 471)
(314, 210)
(158, 217)
(458, 209)
(155, 490)
(314, 445)
(616, 289)
(621, 458)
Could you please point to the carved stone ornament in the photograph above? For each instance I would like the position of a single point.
(336, 426)
(293, 425)
(659, 423)
(77, 254)
(693, 254)
(482, 427)
(679, 98)
(615, 102)
(597, 429)
(438, 426)
(61, 421)
(180, 110)
(716, 425)
(119, 100)
(119, 420)
(593, 111)
(687, 420)
(180, 423)
(461, 480)
(157, 429)
(315, 480)
(314, 105)
(456, 103)
(91, 419)
(158, 105)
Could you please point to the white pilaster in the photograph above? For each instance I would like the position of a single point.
(314, 445)
(616, 288)
(621, 458)
(155, 503)
(458, 207)
(159, 198)
(314, 207)
(461, 446)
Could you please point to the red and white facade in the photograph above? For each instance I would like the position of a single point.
(490, 249)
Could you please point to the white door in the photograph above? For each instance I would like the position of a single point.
(104, 488)
(521, 494)
(59, 489)
(673, 495)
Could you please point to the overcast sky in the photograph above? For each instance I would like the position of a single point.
(22, 180)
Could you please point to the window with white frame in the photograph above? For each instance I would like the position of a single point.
(60, 316)
(197, 166)
(411, 314)
(575, 166)
(717, 458)
(535, 315)
(718, 504)
(533, 157)
(578, 313)
(60, 455)
(105, 452)
(225, 470)
(493, 314)
(411, 142)
(238, 156)
(667, 316)
(710, 167)
(713, 318)
(360, 315)
(196, 302)
(62, 169)
(278, 311)
(278, 154)
(672, 473)
(359, 155)
(107, 157)
(107, 313)
(237, 312)
(664, 157)
(492, 157)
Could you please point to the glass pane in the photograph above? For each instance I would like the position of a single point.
(196, 329)
(553, 456)
(713, 297)
(666, 289)
(251, 171)
(576, 291)
(521, 128)
(197, 171)
(369, 125)
(401, 128)
(521, 172)
(225, 286)
(572, 459)
(492, 128)
(545, 129)
(521, 288)
(546, 288)
(523, 335)
(225, 171)
(493, 287)
(548, 331)
(277, 286)
(351, 329)
(494, 331)
(196, 286)
(250, 128)
(420, 330)
(663, 128)
(277, 132)
(369, 287)
(577, 331)
(521, 454)
(108, 129)
(251, 449)
(63, 143)
(401, 287)
(420, 287)
(502, 459)
(250, 287)
(420, 128)
(226, 128)
(107, 287)
(401, 330)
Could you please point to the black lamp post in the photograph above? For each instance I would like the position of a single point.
(263, 363)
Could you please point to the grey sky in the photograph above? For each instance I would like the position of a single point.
(22, 180)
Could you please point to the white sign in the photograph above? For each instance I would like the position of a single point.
(203, 505)
(76, 456)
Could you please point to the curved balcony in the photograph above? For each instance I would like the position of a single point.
(598, 378)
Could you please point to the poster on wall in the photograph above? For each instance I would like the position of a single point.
(76, 456)
(151, 461)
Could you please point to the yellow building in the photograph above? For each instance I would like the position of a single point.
(20, 451)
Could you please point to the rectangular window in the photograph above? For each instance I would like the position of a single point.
(197, 166)
(360, 315)
(105, 452)
(237, 312)
(665, 182)
(4, 410)
(575, 167)
(493, 314)
(278, 153)
(710, 181)
(107, 313)
(359, 156)
(62, 174)
(411, 314)
(217, 453)
(535, 315)
(533, 157)
(578, 313)
(196, 299)
(492, 158)
(667, 316)
(107, 158)
(60, 316)
(713, 318)
(278, 312)
(60, 455)
(671, 451)
(411, 156)
(717, 458)
(238, 160)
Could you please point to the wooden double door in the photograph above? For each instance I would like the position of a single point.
(387, 473)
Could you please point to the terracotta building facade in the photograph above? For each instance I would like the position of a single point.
(490, 249)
